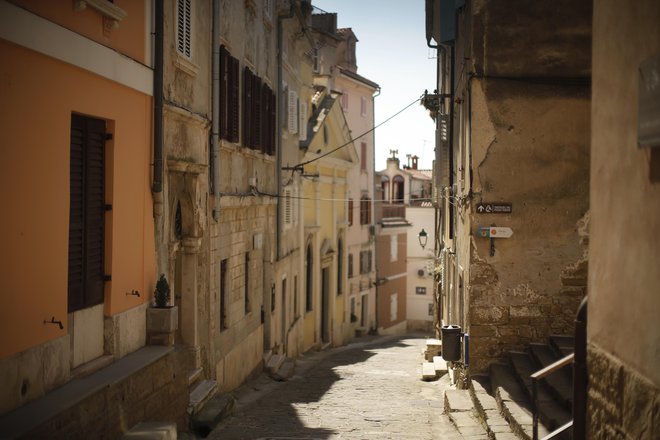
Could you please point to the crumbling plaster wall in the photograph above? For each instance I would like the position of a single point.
(530, 148)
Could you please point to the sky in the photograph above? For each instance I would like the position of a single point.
(392, 52)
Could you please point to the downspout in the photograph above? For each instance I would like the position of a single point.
(215, 110)
(278, 122)
(157, 186)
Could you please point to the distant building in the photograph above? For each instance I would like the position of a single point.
(335, 66)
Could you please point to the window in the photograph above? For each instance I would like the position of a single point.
(309, 271)
(394, 248)
(420, 290)
(344, 101)
(363, 156)
(258, 113)
(394, 306)
(385, 184)
(340, 266)
(247, 283)
(229, 96)
(365, 262)
(86, 274)
(363, 106)
(350, 212)
(315, 60)
(397, 188)
(183, 31)
(350, 265)
(223, 295)
(365, 210)
(292, 111)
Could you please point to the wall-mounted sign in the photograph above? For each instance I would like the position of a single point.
(494, 208)
(495, 232)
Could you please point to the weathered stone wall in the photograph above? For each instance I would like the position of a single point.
(621, 404)
(157, 392)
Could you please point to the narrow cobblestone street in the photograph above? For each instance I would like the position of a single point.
(366, 390)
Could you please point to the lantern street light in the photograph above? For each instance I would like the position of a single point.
(422, 237)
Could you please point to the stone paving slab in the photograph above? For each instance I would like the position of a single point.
(362, 391)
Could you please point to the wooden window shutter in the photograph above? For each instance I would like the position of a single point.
(303, 120)
(350, 212)
(363, 156)
(273, 122)
(293, 112)
(224, 93)
(183, 24)
(247, 100)
(256, 112)
(86, 213)
(235, 98)
(264, 141)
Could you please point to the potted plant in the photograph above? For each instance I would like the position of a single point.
(162, 292)
(162, 318)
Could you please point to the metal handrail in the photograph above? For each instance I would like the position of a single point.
(562, 428)
(544, 372)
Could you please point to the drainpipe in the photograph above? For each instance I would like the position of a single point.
(158, 100)
(278, 122)
(215, 110)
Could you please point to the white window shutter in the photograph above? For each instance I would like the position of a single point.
(296, 204)
(303, 120)
(286, 212)
(293, 112)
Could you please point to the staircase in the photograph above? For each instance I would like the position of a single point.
(510, 385)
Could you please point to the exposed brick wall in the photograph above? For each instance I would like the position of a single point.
(158, 392)
(621, 404)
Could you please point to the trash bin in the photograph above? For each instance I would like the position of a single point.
(451, 343)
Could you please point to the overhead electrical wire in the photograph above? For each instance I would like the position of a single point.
(327, 153)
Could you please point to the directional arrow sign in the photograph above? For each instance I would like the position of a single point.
(495, 232)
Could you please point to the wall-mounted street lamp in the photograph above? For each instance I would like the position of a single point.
(422, 237)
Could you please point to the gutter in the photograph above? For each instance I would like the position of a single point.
(215, 110)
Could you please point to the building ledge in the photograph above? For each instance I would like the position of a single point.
(26, 418)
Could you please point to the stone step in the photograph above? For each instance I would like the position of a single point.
(560, 383)
(275, 362)
(460, 410)
(440, 365)
(194, 376)
(152, 431)
(562, 342)
(428, 371)
(433, 349)
(512, 401)
(200, 395)
(497, 426)
(212, 413)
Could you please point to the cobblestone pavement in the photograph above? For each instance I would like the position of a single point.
(366, 390)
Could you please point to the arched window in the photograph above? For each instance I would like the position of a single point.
(309, 272)
(397, 189)
(385, 184)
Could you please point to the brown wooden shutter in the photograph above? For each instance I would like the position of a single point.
(256, 112)
(247, 100)
(235, 97)
(86, 212)
(273, 122)
(224, 93)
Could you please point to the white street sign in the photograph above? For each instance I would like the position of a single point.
(500, 232)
